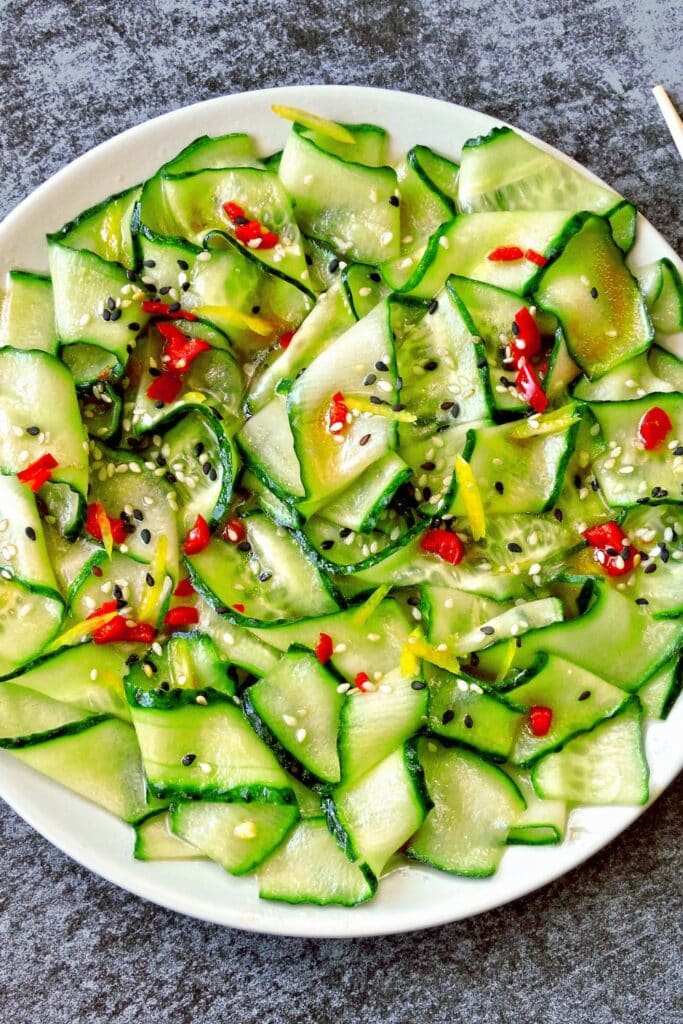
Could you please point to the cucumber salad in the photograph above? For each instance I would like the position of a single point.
(340, 506)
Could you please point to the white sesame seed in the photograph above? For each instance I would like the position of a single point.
(300, 735)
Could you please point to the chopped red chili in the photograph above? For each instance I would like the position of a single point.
(197, 537)
(233, 210)
(529, 387)
(39, 472)
(238, 607)
(248, 232)
(234, 531)
(540, 720)
(444, 543)
(93, 524)
(337, 413)
(535, 257)
(324, 648)
(362, 681)
(183, 588)
(505, 254)
(183, 615)
(165, 388)
(269, 240)
(612, 549)
(179, 350)
(119, 628)
(526, 339)
(156, 308)
(654, 428)
(286, 338)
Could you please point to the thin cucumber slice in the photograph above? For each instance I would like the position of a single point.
(511, 622)
(364, 288)
(543, 822)
(268, 446)
(456, 613)
(662, 287)
(359, 221)
(626, 382)
(28, 717)
(562, 370)
(274, 580)
(658, 532)
(202, 460)
(592, 293)
(377, 641)
(267, 501)
(87, 677)
(462, 246)
(360, 506)
(441, 171)
(659, 694)
(423, 206)
(309, 867)
(90, 364)
(375, 723)
(376, 814)
(27, 318)
(130, 578)
(665, 364)
(29, 620)
(605, 766)
(330, 461)
(299, 703)
(71, 559)
(237, 836)
(155, 841)
(234, 150)
(230, 762)
(101, 409)
(475, 806)
(37, 391)
(83, 283)
(100, 762)
(370, 146)
(105, 229)
(626, 472)
(577, 698)
(23, 551)
(64, 508)
(459, 709)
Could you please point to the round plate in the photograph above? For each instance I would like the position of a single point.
(412, 897)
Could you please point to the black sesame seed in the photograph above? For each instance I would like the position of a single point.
(455, 410)
(446, 405)
(33, 431)
(244, 545)
(327, 544)
(137, 514)
(433, 306)
(206, 468)
(594, 293)
(149, 263)
(430, 365)
(133, 326)
(394, 200)
(577, 482)
(154, 372)
(309, 260)
(506, 382)
(111, 303)
(185, 286)
(487, 630)
(187, 759)
(595, 486)
(468, 721)
(255, 310)
(265, 576)
(30, 533)
(183, 264)
(374, 276)
(159, 404)
(441, 427)
(418, 684)
(145, 536)
(413, 602)
(370, 379)
(131, 659)
(345, 531)
(241, 220)
(428, 466)
(149, 579)
(559, 514)
(650, 568)
(664, 553)
(514, 546)
(165, 290)
(106, 315)
(364, 440)
(376, 400)
(165, 686)
(625, 551)
(585, 695)
(398, 407)
(117, 592)
(213, 475)
(333, 265)
(474, 659)
(642, 600)
(174, 307)
(515, 328)
(447, 716)
(130, 274)
(426, 493)
(499, 486)
(381, 366)
(655, 492)
(678, 450)
(481, 363)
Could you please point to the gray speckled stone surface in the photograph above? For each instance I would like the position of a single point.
(601, 946)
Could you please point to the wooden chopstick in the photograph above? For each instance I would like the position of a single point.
(671, 116)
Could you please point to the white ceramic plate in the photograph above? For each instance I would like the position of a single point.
(412, 897)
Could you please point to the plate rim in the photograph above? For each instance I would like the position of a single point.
(271, 918)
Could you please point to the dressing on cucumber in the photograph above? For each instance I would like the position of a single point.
(340, 506)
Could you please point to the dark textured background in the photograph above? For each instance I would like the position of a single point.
(601, 946)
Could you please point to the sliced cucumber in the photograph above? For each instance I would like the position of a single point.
(268, 446)
(23, 550)
(27, 318)
(543, 822)
(360, 505)
(659, 694)
(202, 460)
(29, 620)
(28, 717)
(459, 709)
(155, 841)
(626, 382)
(662, 287)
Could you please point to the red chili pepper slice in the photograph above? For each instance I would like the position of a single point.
(140, 633)
(234, 531)
(361, 681)
(505, 254)
(540, 720)
(529, 387)
(233, 210)
(269, 240)
(444, 543)
(526, 340)
(197, 537)
(535, 257)
(337, 413)
(93, 524)
(653, 428)
(238, 607)
(38, 472)
(179, 350)
(156, 308)
(104, 609)
(324, 648)
(184, 588)
(111, 632)
(165, 388)
(183, 615)
(249, 231)
(613, 552)
(286, 338)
